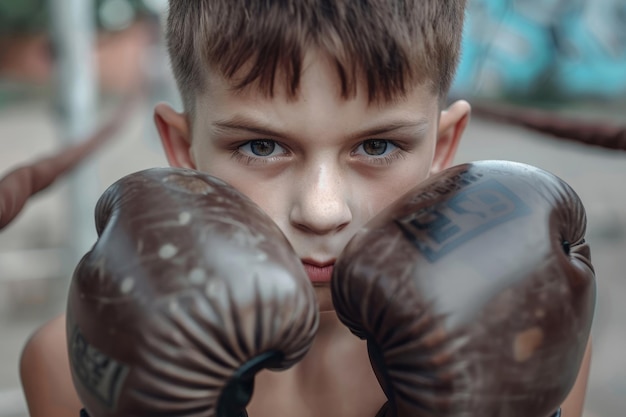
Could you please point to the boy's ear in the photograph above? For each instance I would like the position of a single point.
(175, 136)
(452, 124)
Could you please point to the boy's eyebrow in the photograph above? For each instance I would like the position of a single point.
(420, 126)
(243, 123)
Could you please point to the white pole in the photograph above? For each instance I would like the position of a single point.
(73, 39)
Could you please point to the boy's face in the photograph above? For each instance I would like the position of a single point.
(320, 165)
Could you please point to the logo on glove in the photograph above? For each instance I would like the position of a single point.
(440, 228)
(101, 375)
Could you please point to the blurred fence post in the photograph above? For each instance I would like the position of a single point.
(73, 34)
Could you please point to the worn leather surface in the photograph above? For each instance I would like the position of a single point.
(188, 292)
(475, 292)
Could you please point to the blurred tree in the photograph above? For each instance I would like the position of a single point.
(125, 28)
(22, 17)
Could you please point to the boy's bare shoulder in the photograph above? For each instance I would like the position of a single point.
(50, 336)
(44, 352)
(45, 372)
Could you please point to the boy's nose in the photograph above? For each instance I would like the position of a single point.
(321, 203)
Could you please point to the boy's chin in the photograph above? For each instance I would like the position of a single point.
(324, 299)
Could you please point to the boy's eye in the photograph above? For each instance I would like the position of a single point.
(261, 147)
(375, 147)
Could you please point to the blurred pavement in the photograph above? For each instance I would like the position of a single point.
(32, 283)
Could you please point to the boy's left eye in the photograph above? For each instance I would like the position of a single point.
(375, 147)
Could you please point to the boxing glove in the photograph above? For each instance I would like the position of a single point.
(189, 291)
(475, 293)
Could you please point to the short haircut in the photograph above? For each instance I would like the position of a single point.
(390, 44)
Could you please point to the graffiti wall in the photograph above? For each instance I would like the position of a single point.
(544, 48)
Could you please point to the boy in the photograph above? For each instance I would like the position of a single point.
(322, 112)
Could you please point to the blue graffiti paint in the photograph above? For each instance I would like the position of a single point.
(515, 47)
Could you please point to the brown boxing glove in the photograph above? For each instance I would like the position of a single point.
(189, 291)
(475, 293)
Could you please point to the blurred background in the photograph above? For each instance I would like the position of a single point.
(69, 68)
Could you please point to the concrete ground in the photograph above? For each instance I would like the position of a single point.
(32, 271)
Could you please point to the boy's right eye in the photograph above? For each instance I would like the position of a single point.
(262, 148)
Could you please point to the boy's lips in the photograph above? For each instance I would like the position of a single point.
(319, 272)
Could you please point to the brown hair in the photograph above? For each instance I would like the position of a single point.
(391, 44)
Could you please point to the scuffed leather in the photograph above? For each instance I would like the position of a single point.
(188, 283)
(475, 292)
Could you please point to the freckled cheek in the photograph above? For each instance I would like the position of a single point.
(373, 202)
(268, 201)
(378, 195)
(270, 197)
